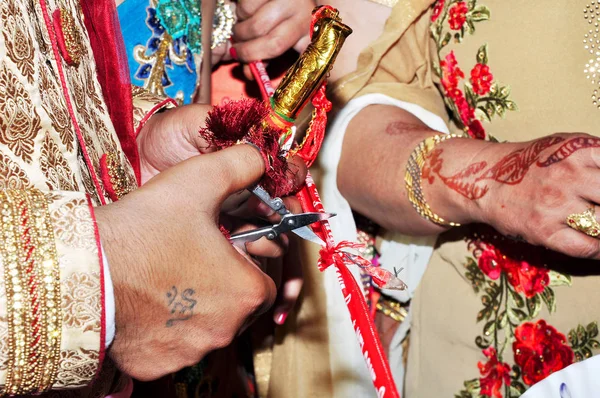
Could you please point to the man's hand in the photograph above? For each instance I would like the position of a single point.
(171, 137)
(181, 289)
(268, 28)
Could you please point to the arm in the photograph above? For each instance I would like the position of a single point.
(524, 190)
(378, 142)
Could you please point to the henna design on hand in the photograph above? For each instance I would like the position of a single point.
(473, 181)
(181, 305)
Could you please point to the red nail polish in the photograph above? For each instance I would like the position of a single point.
(233, 53)
(280, 320)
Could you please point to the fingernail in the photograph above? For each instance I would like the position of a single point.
(233, 53)
(280, 319)
(263, 210)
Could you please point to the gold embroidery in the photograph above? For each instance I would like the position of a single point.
(19, 121)
(19, 46)
(73, 225)
(32, 283)
(118, 175)
(81, 303)
(54, 105)
(72, 37)
(77, 367)
(55, 167)
(591, 43)
(11, 175)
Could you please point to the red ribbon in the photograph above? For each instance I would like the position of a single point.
(335, 254)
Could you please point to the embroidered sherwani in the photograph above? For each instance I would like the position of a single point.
(59, 157)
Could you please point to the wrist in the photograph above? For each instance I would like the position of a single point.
(451, 179)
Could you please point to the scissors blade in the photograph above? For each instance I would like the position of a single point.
(277, 205)
(307, 234)
(298, 223)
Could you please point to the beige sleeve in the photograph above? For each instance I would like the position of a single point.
(399, 63)
(51, 291)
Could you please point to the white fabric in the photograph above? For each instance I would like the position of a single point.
(109, 302)
(350, 375)
(579, 380)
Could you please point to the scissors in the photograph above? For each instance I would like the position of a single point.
(277, 205)
(289, 222)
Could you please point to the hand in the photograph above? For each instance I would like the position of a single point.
(171, 137)
(181, 289)
(268, 28)
(527, 190)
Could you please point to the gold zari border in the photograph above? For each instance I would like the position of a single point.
(32, 283)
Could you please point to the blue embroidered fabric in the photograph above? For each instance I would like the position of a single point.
(160, 57)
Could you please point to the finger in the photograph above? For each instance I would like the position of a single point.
(268, 248)
(262, 22)
(234, 169)
(297, 171)
(246, 8)
(291, 284)
(588, 186)
(272, 45)
(575, 244)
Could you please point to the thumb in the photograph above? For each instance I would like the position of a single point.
(238, 167)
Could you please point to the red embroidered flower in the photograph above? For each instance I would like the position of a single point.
(458, 15)
(481, 78)
(437, 10)
(494, 373)
(540, 350)
(476, 129)
(451, 73)
(467, 114)
(491, 263)
(527, 278)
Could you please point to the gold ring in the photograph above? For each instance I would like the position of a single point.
(585, 222)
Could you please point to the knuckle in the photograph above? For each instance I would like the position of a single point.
(278, 46)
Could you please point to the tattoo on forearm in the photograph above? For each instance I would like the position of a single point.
(473, 181)
(181, 305)
(399, 128)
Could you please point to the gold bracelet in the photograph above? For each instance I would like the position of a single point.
(413, 176)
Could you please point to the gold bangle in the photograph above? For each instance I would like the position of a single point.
(413, 176)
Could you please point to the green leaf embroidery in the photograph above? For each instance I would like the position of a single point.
(534, 304)
(480, 13)
(482, 56)
(583, 340)
(550, 299)
(558, 279)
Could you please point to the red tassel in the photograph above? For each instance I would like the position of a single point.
(244, 121)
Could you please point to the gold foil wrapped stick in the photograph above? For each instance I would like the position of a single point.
(307, 74)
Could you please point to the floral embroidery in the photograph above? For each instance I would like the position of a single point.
(513, 288)
(81, 302)
(55, 167)
(495, 374)
(540, 350)
(19, 46)
(19, 121)
(73, 225)
(481, 97)
(11, 175)
(584, 340)
(76, 368)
